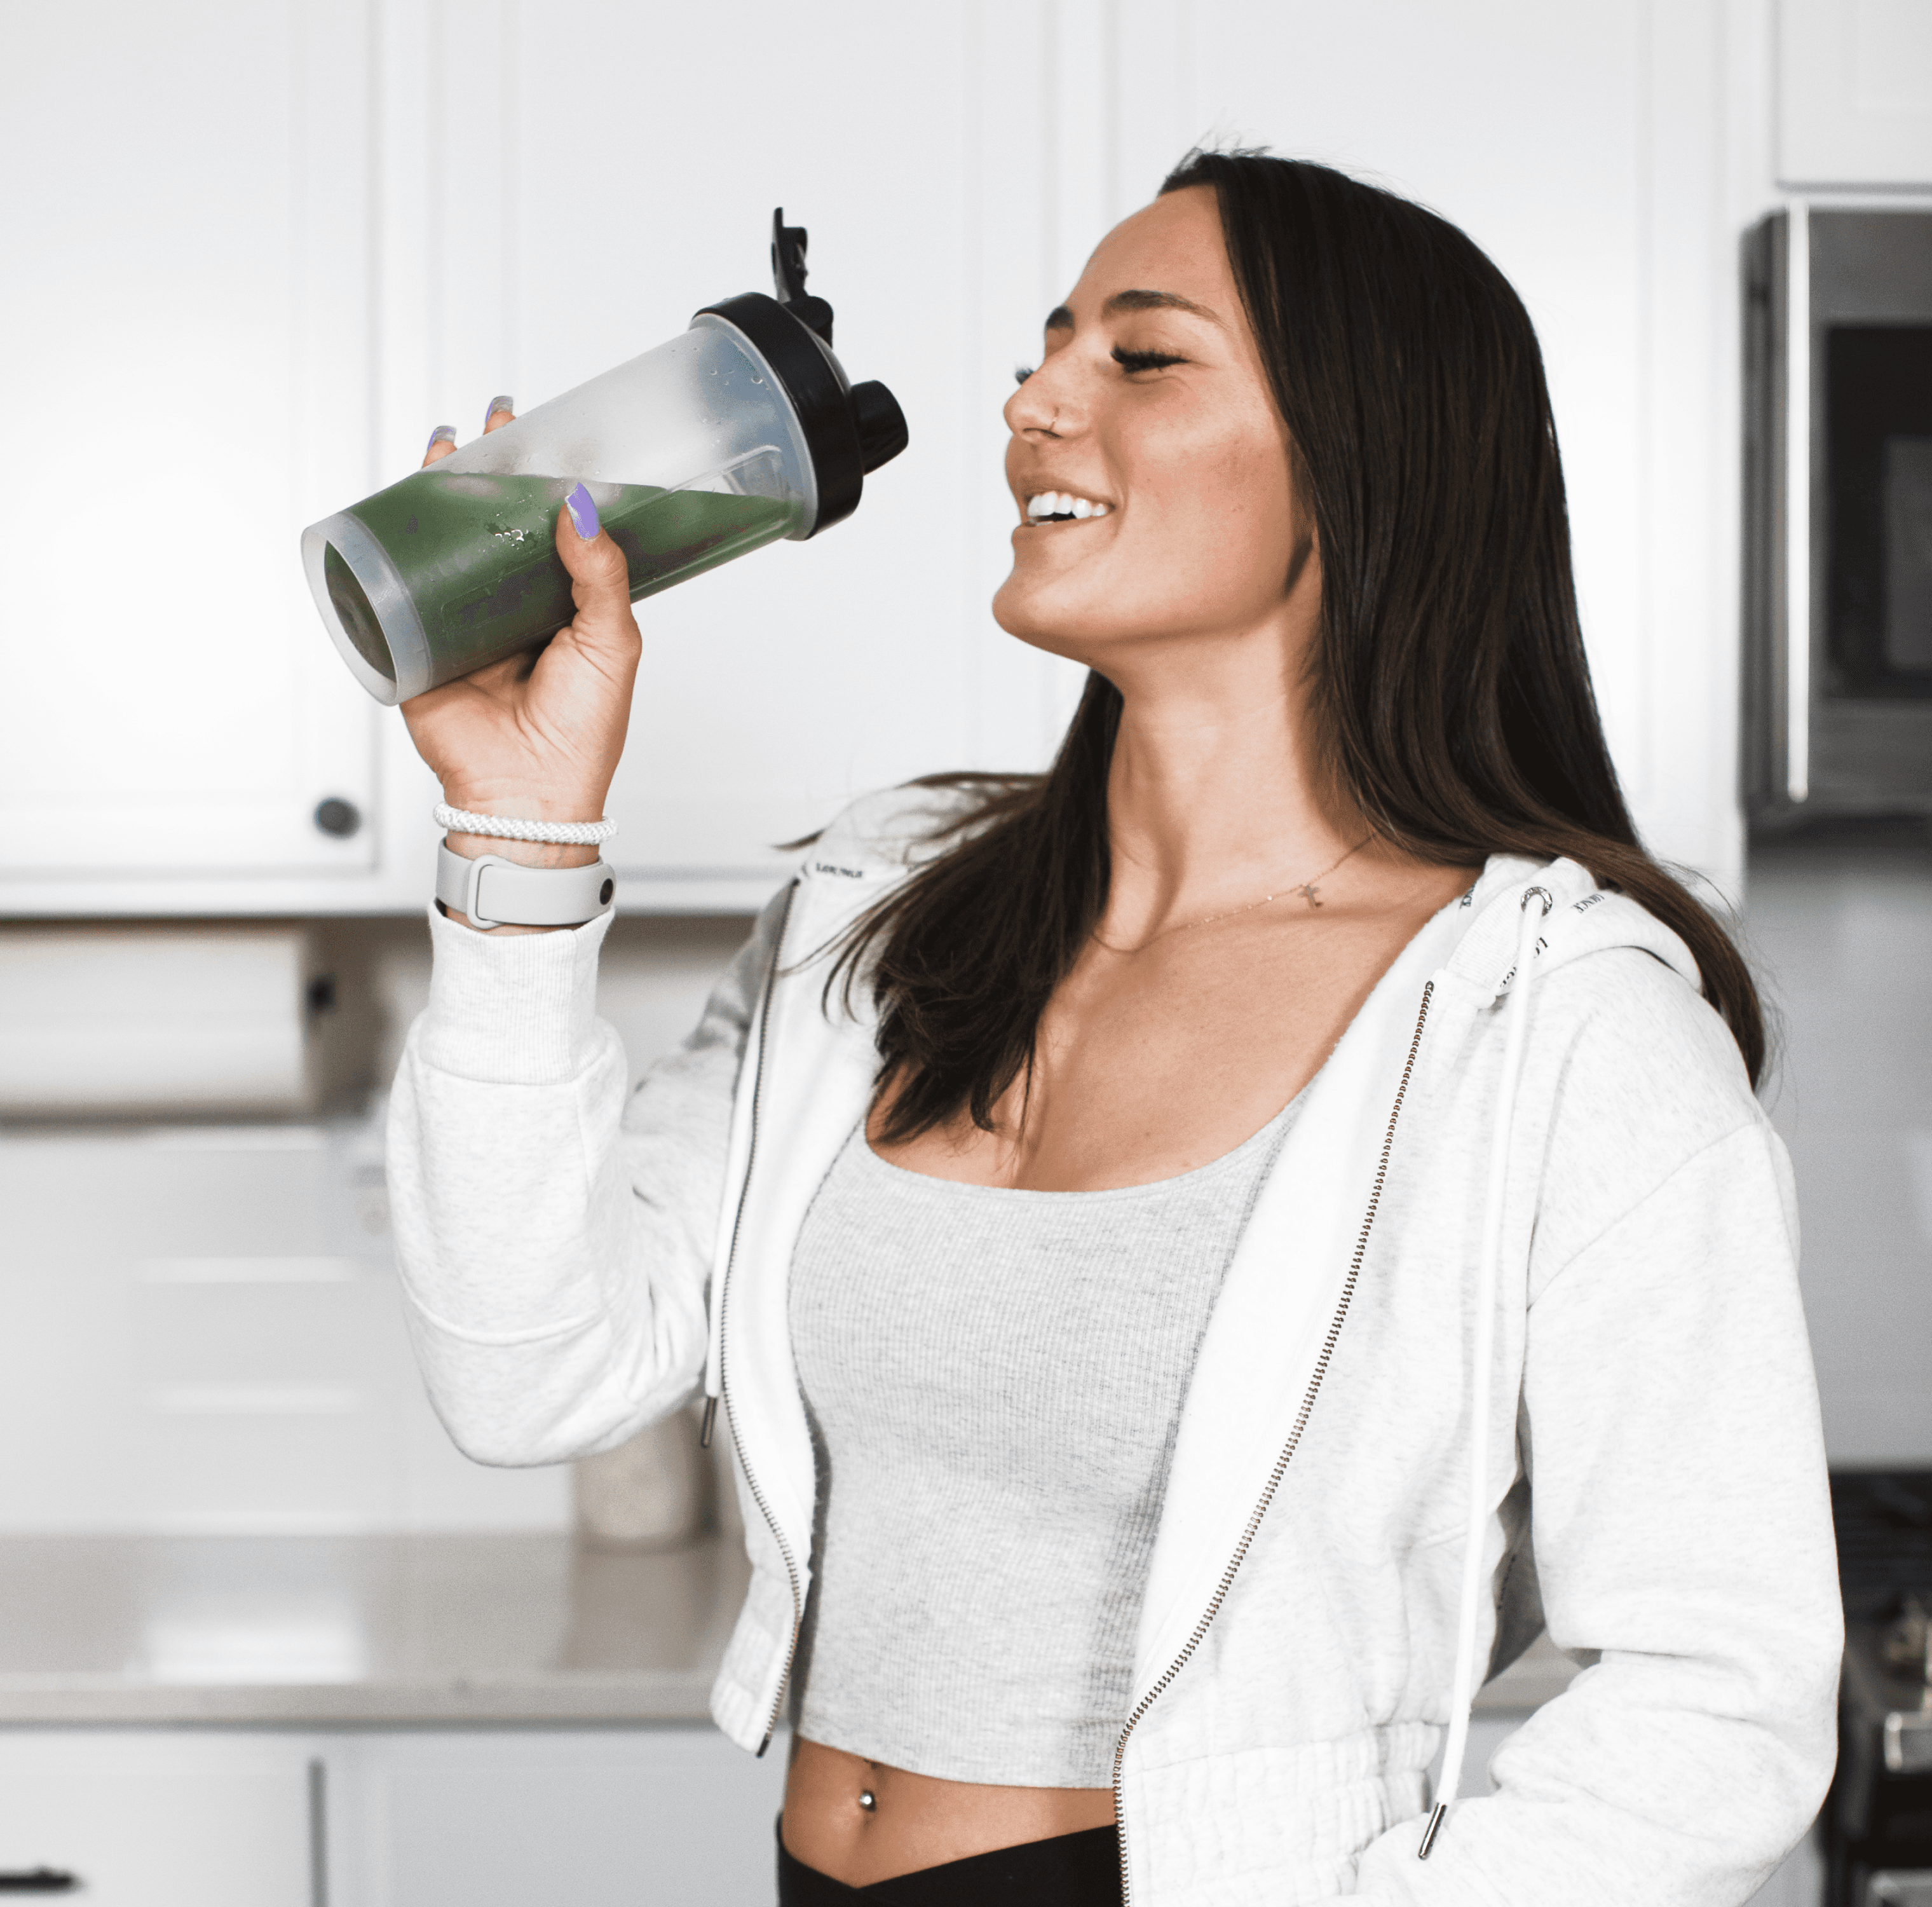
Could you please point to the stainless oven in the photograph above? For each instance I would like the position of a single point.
(1876, 1827)
(1838, 714)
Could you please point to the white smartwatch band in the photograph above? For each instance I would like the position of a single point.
(496, 893)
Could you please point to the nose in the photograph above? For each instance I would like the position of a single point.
(1043, 405)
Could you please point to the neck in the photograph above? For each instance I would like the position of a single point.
(1217, 794)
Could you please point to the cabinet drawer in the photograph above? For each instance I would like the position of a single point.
(162, 1819)
(580, 1818)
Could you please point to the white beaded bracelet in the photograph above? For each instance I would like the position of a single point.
(558, 834)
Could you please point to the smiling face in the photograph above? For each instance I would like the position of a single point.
(1152, 409)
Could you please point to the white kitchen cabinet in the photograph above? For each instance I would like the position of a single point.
(161, 1818)
(557, 213)
(1854, 93)
(580, 1818)
(299, 236)
(439, 203)
(400, 1817)
(190, 356)
(1585, 149)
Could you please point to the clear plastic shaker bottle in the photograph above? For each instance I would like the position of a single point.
(741, 430)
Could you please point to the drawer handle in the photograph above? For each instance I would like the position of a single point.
(38, 1880)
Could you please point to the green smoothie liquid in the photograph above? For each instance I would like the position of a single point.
(477, 553)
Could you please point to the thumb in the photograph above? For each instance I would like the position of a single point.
(600, 580)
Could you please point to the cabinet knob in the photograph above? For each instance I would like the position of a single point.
(334, 815)
(37, 1880)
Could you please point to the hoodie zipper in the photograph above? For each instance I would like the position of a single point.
(724, 1325)
(1281, 1462)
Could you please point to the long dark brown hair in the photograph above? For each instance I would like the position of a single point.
(1452, 690)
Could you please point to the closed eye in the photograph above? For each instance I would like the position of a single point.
(1131, 361)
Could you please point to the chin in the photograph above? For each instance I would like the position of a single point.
(1031, 616)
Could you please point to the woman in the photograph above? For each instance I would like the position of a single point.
(1208, 1250)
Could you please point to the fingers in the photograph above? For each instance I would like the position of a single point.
(498, 412)
(600, 581)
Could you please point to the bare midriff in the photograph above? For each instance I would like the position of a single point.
(861, 1821)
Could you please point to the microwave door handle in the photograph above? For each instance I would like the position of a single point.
(1798, 503)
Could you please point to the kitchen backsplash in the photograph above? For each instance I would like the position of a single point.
(199, 1324)
(1840, 930)
(1839, 921)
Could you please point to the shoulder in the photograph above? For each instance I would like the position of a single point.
(1639, 1079)
(894, 828)
(1629, 1076)
(1621, 1038)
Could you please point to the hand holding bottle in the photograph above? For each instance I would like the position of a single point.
(538, 736)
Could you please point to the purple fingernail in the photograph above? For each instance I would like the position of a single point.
(442, 433)
(583, 512)
(489, 409)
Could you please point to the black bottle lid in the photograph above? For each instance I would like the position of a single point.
(850, 429)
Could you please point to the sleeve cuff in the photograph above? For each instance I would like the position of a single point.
(512, 1009)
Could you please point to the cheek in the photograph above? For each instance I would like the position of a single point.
(1222, 511)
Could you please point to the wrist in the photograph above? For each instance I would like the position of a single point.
(525, 854)
(522, 805)
(511, 802)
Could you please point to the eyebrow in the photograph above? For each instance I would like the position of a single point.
(1060, 319)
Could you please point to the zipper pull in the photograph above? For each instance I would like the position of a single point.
(710, 1418)
(1435, 1828)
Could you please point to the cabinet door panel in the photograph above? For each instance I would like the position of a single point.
(190, 336)
(574, 211)
(596, 1819)
(1854, 93)
(1582, 148)
(160, 1819)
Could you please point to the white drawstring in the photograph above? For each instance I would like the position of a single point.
(1463, 1690)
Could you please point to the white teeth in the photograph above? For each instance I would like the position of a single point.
(1062, 502)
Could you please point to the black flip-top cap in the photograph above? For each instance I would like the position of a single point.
(850, 430)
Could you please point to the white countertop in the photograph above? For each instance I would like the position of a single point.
(375, 1631)
(298, 1630)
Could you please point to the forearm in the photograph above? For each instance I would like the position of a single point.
(548, 1318)
(554, 1231)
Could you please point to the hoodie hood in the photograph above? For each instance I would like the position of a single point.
(1583, 919)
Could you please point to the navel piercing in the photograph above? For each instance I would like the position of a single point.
(868, 1800)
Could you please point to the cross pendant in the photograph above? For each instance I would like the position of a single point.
(1307, 891)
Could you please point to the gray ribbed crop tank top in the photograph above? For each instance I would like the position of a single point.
(993, 1379)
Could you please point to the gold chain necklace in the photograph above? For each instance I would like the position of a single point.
(1308, 891)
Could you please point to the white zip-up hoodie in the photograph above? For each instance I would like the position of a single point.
(1629, 1422)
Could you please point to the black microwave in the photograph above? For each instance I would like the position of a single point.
(1838, 597)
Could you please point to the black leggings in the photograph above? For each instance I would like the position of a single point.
(1069, 1870)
